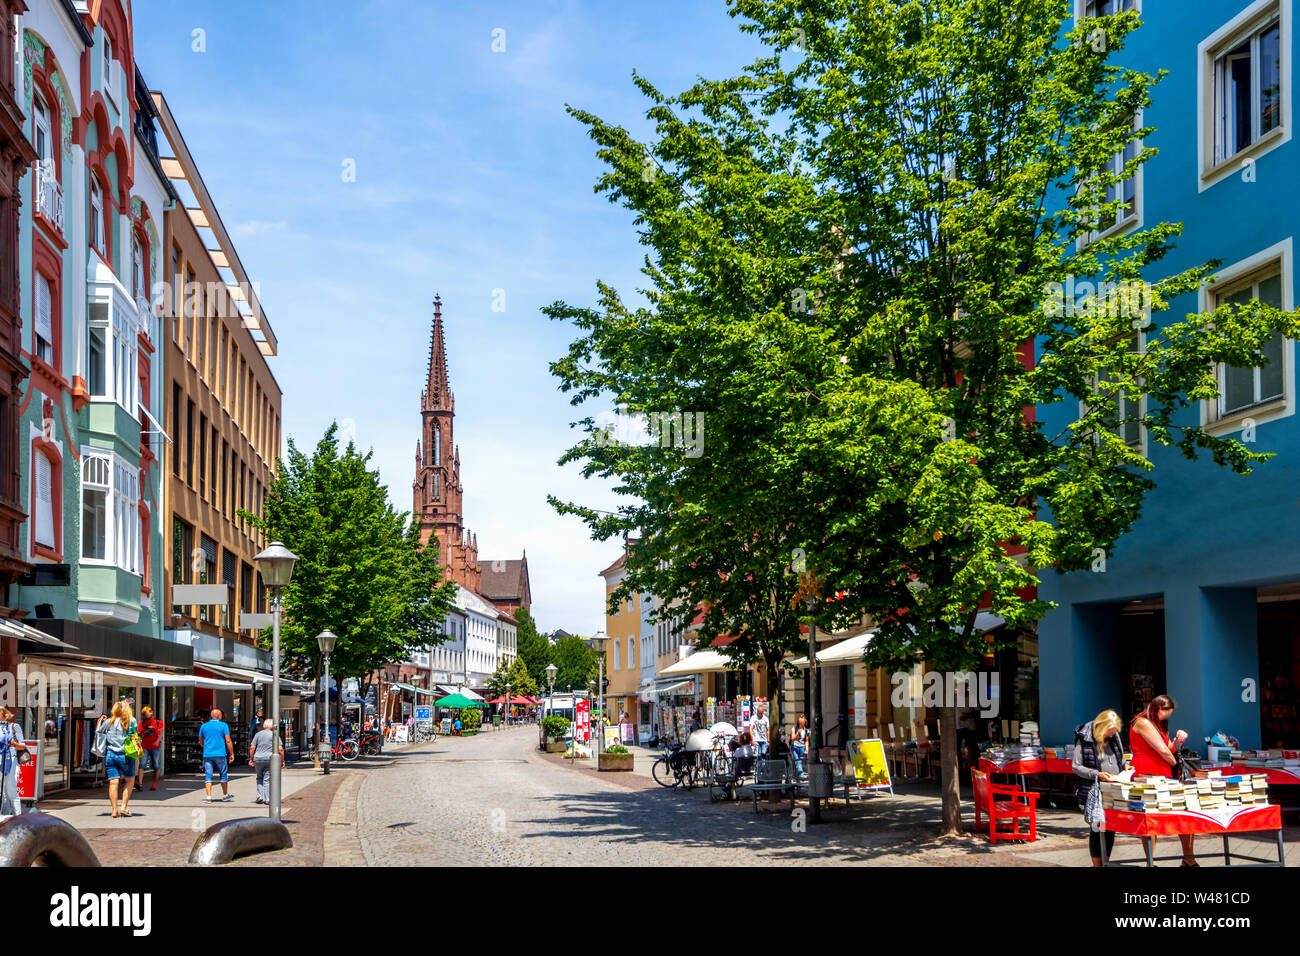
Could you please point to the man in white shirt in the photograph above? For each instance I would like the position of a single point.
(760, 729)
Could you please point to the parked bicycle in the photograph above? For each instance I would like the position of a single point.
(679, 767)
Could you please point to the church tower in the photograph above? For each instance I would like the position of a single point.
(437, 488)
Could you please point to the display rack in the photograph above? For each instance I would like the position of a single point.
(184, 751)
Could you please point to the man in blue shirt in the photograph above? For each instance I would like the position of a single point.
(218, 751)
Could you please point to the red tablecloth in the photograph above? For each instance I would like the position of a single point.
(1060, 765)
(1238, 820)
(1013, 766)
(1275, 775)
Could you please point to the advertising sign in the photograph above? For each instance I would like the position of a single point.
(423, 713)
(27, 775)
(399, 733)
(611, 736)
(627, 733)
(869, 765)
(584, 720)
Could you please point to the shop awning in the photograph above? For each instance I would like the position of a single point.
(701, 662)
(466, 692)
(850, 649)
(149, 678)
(25, 632)
(675, 687)
(237, 673)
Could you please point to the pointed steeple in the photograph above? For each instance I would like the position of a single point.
(437, 392)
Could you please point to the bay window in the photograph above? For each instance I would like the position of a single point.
(111, 356)
(110, 511)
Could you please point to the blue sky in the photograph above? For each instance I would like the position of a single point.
(470, 177)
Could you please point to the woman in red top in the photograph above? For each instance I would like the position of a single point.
(1153, 752)
(151, 741)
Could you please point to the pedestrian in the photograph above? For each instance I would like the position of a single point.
(410, 727)
(742, 751)
(456, 727)
(1098, 755)
(151, 730)
(256, 724)
(1153, 754)
(799, 743)
(218, 751)
(13, 747)
(968, 734)
(113, 736)
(760, 728)
(262, 751)
(694, 724)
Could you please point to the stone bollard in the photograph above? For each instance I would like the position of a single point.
(222, 842)
(38, 839)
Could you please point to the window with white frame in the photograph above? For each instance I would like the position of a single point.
(140, 287)
(617, 663)
(1247, 90)
(1241, 389)
(111, 357)
(110, 511)
(108, 68)
(43, 132)
(1244, 89)
(1126, 421)
(1106, 8)
(43, 325)
(43, 479)
(97, 216)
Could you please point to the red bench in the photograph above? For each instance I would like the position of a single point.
(1021, 805)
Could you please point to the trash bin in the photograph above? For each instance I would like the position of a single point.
(496, 720)
(820, 780)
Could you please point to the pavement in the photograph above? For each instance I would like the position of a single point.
(494, 799)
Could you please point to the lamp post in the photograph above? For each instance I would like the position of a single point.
(325, 641)
(275, 564)
(573, 744)
(600, 637)
(551, 671)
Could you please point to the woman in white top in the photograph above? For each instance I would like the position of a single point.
(12, 743)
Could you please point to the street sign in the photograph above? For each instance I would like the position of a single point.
(423, 713)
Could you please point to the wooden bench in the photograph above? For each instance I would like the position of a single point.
(1015, 806)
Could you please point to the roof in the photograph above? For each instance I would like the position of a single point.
(620, 562)
(504, 580)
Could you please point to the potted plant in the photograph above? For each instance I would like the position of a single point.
(616, 757)
(555, 728)
(469, 721)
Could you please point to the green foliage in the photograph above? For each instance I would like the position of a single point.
(553, 725)
(617, 749)
(576, 663)
(470, 718)
(851, 252)
(534, 650)
(361, 572)
(515, 676)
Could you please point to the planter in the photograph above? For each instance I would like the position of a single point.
(555, 746)
(614, 762)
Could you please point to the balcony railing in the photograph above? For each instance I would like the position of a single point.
(49, 196)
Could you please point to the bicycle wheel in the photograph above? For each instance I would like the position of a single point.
(663, 774)
(348, 749)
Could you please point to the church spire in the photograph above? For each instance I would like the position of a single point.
(438, 390)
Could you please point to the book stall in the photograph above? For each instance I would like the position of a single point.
(1280, 767)
(1212, 802)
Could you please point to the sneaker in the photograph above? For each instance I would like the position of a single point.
(209, 799)
(154, 787)
(227, 796)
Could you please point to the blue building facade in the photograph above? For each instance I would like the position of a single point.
(1202, 599)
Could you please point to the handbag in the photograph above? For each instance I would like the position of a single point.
(1093, 811)
(1186, 763)
(132, 747)
(23, 755)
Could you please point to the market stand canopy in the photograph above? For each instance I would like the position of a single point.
(456, 700)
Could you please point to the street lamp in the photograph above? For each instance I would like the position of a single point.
(325, 641)
(275, 564)
(573, 743)
(551, 671)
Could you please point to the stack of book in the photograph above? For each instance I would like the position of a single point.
(1013, 752)
(1059, 753)
(1209, 790)
(1029, 737)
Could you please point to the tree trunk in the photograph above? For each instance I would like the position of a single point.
(773, 694)
(315, 730)
(949, 766)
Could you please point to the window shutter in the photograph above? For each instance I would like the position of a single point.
(44, 307)
(44, 524)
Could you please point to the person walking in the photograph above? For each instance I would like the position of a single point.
(12, 746)
(262, 750)
(799, 743)
(256, 724)
(111, 739)
(218, 751)
(151, 730)
(1098, 755)
(760, 728)
(1153, 755)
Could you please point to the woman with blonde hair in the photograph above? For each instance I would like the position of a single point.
(12, 748)
(799, 743)
(111, 739)
(1098, 755)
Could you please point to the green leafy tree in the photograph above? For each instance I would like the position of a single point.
(534, 649)
(361, 572)
(515, 676)
(857, 252)
(576, 663)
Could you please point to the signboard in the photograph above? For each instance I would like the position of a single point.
(859, 708)
(185, 594)
(611, 736)
(584, 720)
(869, 764)
(250, 621)
(29, 774)
(446, 727)
(628, 733)
(423, 713)
(399, 733)
(711, 711)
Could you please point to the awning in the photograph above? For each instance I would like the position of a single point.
(150, 678)
(675, 687)
(851, 649)
(402, 686)
(701, 662)
(426, 693)
(466, 692)
(237, 673)
(446, 689)
(25, 632)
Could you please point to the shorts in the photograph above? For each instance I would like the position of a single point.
(118, 765)
(151, 760)
(217, 765)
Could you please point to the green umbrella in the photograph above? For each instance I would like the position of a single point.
(456, 700)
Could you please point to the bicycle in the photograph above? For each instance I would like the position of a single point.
(678, 767)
